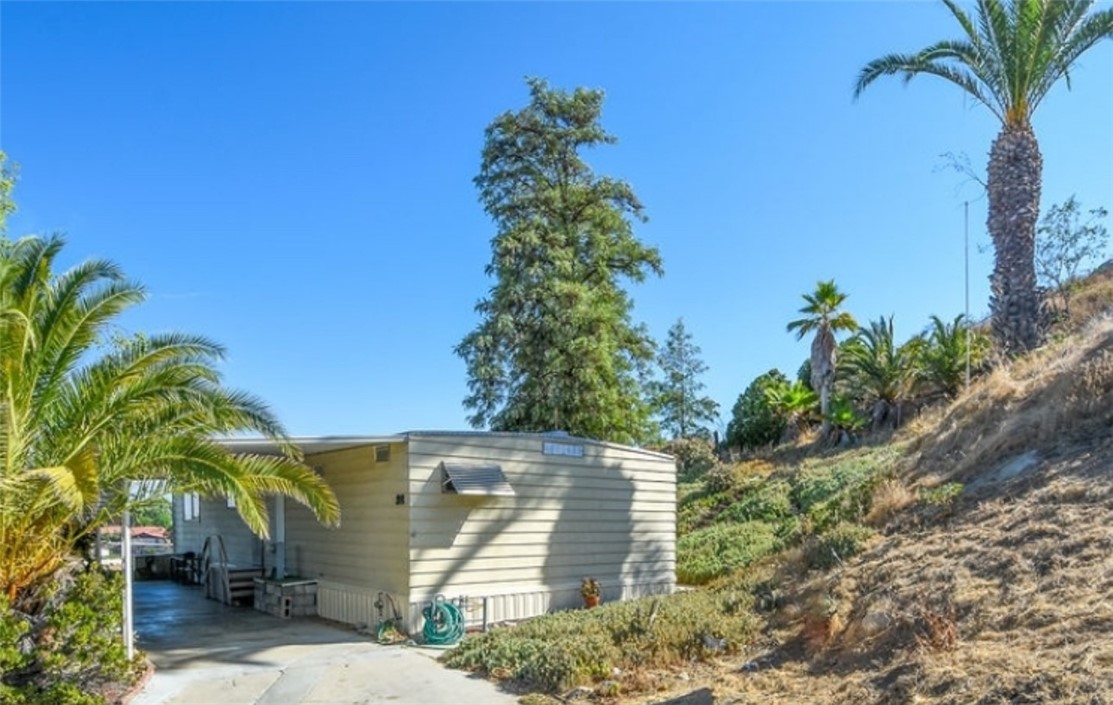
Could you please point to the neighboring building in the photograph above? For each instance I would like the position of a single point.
(145, 540)
(508, 523)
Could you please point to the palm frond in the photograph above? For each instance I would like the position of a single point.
(80, 425)
(964, 21)
(1008, 59)
(1078, 37)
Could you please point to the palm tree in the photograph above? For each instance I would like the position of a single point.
(1008, 60)
(943, 354)
(823, 318)
(881, 373)
(84, 419)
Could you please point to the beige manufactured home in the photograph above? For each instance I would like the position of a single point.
(505, 523)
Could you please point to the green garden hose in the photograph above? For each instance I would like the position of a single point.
(444, 624)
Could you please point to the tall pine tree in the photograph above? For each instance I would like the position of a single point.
(556, 347)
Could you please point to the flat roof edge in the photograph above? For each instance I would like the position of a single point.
(324, 444)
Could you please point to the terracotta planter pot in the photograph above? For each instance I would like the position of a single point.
(591, 601)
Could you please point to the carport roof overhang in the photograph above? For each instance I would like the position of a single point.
(307, 445)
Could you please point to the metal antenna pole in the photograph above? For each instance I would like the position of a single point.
(966, 254)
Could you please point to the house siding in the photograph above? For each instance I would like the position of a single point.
(217, 519)
(367, 553)
(610, 514)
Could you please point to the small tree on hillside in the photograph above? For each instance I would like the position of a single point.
(1066, 244)
(754, 423)
(677, 395)
(804, 373)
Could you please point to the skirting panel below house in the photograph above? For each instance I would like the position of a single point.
(485, 610)
(350, 604)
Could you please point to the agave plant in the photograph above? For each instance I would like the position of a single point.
(84, 420)
(1009, 56)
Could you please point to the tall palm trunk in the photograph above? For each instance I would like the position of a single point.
(823, 361)
(1015, 168)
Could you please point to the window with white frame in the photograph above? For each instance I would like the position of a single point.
(191, 506)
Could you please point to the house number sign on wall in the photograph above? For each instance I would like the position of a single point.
(551, 448)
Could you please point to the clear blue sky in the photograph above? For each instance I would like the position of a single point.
(294, 180)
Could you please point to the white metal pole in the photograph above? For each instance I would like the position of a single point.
(126, 562)
(966, 253)
(279, 537)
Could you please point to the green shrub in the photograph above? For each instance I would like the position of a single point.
(694, 456)
(721, 478)
(697, 510)
(562, 663)
(831, 494)
(716, 550)
(57, 694)
(69, 648)
(765, 500)
(729, 478)
(754, 422)
(559, 651)
(943, 496)
(828, 550)
(12, 628)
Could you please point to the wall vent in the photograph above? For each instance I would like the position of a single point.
(469, 479)
(382, 454)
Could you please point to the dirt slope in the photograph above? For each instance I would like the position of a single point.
(1001, 592)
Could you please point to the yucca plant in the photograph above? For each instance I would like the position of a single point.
(1009, 56)
(85, 419)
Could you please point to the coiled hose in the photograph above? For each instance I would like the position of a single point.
(444, 624)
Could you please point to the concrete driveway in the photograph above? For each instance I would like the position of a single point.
(206, 653)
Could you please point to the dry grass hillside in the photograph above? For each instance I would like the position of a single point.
(997, 589)
(966, 559)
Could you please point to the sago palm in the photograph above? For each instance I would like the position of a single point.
(83, 417)
(880, 372)
(1009, 56)
(943, 354)
(793, 402)
(824, 318)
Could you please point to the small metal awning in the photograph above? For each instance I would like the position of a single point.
(475, 479)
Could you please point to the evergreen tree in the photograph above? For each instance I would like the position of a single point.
(677, 396)
(556, 347)
(754, 422)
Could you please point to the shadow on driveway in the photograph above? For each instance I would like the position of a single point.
(205, 652)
